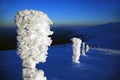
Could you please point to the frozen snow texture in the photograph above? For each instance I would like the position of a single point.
(83, 48)
(33, 41)
(76, 49)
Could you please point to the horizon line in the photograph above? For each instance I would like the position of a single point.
(70, 25)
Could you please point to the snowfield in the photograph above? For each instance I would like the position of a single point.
(99, 64)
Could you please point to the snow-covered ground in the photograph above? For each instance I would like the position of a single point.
(99, 64)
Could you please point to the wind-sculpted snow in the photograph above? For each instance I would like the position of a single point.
(33, 41)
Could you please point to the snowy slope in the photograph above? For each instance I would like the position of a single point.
(99, 64)
(104, 36)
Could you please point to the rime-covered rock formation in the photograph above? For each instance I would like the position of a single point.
(33, 41)
(83, 49)
(79, 48)
(87, 48)
(76, 49)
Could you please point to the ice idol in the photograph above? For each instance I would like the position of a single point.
(33, 29)
(76, 49)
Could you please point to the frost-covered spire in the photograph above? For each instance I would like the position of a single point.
(76, 49)
(79, 48)
(87, 48)
(33, 41)
(83, 48)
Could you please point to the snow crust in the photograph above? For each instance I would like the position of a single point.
(33, 41)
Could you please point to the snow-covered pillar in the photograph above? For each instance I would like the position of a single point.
(87, 48)
(83, 48)
(33, 41)
(76, 49)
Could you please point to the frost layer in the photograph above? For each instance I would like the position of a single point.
(33, 41)
(76, 49)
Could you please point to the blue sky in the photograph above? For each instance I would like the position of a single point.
(64, 12)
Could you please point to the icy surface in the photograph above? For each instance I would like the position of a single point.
(33, 41)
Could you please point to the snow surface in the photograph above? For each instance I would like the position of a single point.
(99, 64)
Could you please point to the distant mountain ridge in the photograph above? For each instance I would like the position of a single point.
(104, 35)
(97, 36)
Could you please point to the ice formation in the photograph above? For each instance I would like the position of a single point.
(33, 41)
(76, 49)
(83, 49)
(79, 48)
(87, 48)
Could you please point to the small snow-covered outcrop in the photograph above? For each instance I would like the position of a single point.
(83, 48)
(33, 41)
(76, 49)
(79, 48)
(87, 48)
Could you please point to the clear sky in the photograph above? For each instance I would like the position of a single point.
(64, 12)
